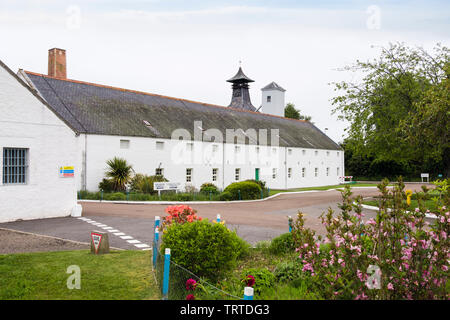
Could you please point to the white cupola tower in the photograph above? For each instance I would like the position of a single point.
(273, 99)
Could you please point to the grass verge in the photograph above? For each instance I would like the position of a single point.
(42, 276)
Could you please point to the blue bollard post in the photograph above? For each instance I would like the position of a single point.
(248, 293)
(155, 246)
(166, 273)
(290, 223)
(157, 221)
(218, 218)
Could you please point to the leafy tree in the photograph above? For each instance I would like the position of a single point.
(389, 105)
(291, 112)
(119, 172)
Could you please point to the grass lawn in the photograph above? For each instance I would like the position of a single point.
(429, 204)
(337, 186)
(42, 276)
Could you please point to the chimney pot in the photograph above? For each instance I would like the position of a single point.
(57, 63)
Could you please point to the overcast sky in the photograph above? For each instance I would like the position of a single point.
(188, 48)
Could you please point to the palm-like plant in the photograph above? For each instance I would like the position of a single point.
(119, 172)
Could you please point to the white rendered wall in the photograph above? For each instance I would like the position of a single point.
(175, 158)
(25, 122)
(276, 105)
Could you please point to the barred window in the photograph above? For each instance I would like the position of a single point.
(214, 174)
(237, 174)
(15, 166)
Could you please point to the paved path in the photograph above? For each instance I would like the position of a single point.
(253, 221)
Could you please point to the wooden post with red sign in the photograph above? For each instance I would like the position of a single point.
(99, 242)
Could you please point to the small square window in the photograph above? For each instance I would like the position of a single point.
(124, 144)
(159, 171)
(159, 145)
(269, 99)
(15, 166)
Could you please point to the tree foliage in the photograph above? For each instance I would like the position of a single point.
(291, 112)
(399, 109)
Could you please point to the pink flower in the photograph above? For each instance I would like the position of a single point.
(250, 280)
(190, 297)
(390, 286)
(191, 284)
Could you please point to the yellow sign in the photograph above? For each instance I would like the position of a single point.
(67, 172)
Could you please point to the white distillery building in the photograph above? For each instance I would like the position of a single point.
(38, 149)
(188, 142)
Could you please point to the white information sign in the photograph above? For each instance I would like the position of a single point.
(161, 186)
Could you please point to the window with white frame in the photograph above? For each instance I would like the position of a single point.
(237, 174)
(274, 173)
(15, 166)
(189, 175)
(124, 144)
(316, 153)
(316, 172)
(303, 172)
(215, 172)
(289, 151)
(289, 172)
(328, 171)
(159, 171)
(303, 152)
(269, 98)
(159, 145)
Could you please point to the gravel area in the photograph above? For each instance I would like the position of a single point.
(19, 242)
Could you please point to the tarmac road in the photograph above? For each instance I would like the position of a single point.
(253, 221)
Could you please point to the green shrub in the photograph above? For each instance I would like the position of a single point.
(115, 196)
(244, 190)
(207, 249)
(263, 278)
(262, 185)
(282, 244)
(106, 185)
(226, 196)
(288, 271)
(209, 188)
(144, 184)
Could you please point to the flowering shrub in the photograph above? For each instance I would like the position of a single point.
(396, 255)
(179, 214)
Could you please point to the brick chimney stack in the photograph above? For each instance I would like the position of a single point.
(57, 63)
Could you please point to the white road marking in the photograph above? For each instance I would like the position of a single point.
(116, 232)
(133, 241)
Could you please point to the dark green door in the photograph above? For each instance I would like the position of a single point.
(257, 174)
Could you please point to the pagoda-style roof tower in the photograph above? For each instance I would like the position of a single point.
(240, 98)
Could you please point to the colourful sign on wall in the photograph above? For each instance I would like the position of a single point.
(67, 172)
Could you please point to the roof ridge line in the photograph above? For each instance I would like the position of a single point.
(161, 96)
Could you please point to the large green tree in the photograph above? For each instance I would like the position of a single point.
(398, 94)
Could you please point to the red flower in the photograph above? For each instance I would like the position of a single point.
(191, 284)
(250, 280)
(190, 297)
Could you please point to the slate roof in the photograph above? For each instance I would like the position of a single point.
(273, 86)
(98, 109)
(240, 77)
